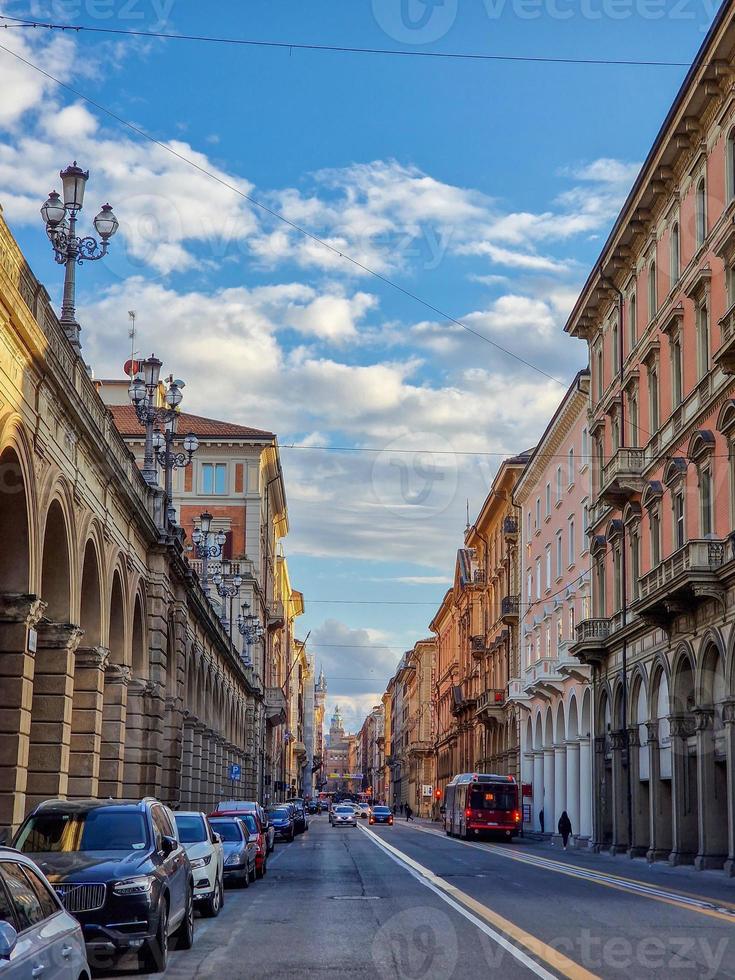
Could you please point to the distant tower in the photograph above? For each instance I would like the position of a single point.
(320, 698)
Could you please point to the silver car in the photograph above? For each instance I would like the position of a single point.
(38, 937)
(343, 816)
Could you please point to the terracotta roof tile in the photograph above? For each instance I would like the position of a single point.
(128, 425)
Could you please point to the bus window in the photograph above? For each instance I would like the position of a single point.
(493, 798)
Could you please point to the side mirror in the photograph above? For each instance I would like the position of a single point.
(216, 837)
(168, 845)
(8, 940)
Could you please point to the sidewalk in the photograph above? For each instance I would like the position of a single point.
(713, 885)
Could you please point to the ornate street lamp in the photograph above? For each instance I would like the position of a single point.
(60, 218)
(159, 445)
(249, 628)
(207, 544)
(227, 591)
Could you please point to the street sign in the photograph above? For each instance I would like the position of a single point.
(234, 771)
(426, 790)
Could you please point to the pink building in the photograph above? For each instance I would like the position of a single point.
(553, 686)
(658, 314)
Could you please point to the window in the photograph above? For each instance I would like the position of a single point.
(701, 212)
(705, 501)
(585, 607)
(528, 525)
(675, 253)
(214, 478)
(570, 467)
(538, 513)
(653, 399)
(548, 641)
(730, 166)
(548, 499)
(529, 586)
(571, 542)
(600, 586)
(615, 433)
(635, 562)
(679, 536)
(615, 347)
(47, 900)
(538, 578)
(558, 554)
(617, 579)
(652, 296)
(559, 629)
(702, 340)
(655, 523)
(28, 909)
(558, 484)
(676, 378)
(632, 323)
(585, 522)
(599, 373)
(633, 418)
(572, 624)
(548, 567)
(585, 447)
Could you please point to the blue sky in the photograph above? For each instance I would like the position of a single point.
(484, 188)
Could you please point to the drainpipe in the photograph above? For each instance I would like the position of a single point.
(624, 578)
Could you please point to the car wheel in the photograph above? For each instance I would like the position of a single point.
(185, 932)
(292, 837)
(245, 881)
(154, 956)
(213, 905)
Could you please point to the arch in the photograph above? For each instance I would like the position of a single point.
(632, 512)
(559, 724)
(538, 738)
(90, 605)
(676, 469)
(117, 642)
(638, 682)
(726, 417)
(572, 717)
(683, 672)
(701, 443)
(548, 729)
(653, 493)
(138, 658)
(56, 565)
(15, 553)
(586, 717)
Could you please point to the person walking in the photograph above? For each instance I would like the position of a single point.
(565, 828)
(409, 812)
(541, 819)
(395, 809)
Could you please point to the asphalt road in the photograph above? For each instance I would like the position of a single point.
(406, 903)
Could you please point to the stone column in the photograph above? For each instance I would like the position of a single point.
(585, 788)
(684, 815)
(172, 776)
(53, 691)
(187, 762)
(197, 797)
(640, 817)
(86, 732)
(712, 836)
(599, 782)
(560, 785)
(657, 850)
(728, 716)
(538, 786)
(549, 785)
(114, 712)
(620, 842)
(572, 781)
(18, 615)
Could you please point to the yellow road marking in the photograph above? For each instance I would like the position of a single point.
(536, 947)
(617, 882)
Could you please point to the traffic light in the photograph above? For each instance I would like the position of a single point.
(437, 794)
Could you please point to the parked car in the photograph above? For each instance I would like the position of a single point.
(250, 806)
(301, 821)
(240, 848)
(363, 810)
(312, 807)
(206, 856)
(343, 816)
(381, 814)
(255, 829)
(38, 937)
(281, 820)
(120, 869)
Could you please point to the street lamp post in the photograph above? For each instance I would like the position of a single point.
(249, 628)
(60, 217)
(228, 592)
(207, 544)
(159, 446)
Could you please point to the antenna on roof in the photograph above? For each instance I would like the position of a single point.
(131, 334)
(468, 515)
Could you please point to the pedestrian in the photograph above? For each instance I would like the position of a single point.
(541, 819)
(409, 812)
(395, 809)
(565, 828)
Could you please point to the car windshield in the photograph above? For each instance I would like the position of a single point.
(249, 820)
(279, 813)
(381, 809)
(493, 798)
(228, 830)
(344, 809)
(191, 827)
(105, 829)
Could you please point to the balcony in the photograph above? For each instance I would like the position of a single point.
(569, 666)
(490, 708)
(509, 608)
(679, 583)
(724, 356)
(590, 646)
(622, 475)
(517, 692)
(276, 616)
(422, 747)
(542, 679)
(510, 528)
(275, 706)
(477, 647)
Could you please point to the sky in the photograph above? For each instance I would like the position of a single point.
(464, 190)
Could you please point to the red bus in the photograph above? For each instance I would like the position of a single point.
(482, 804)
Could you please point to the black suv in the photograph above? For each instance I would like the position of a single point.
(120, 869)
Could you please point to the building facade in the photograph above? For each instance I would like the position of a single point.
(337, 756)
(658, 316)
(552, 495)
(421, 665)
